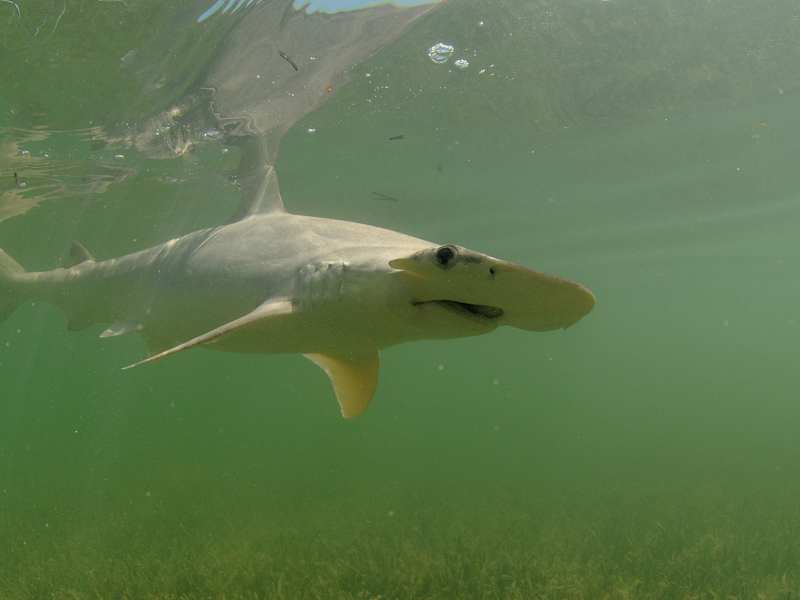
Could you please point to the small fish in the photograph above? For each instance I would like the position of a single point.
(380, 196)
(397, 137)
(288, 59)
(16, 179)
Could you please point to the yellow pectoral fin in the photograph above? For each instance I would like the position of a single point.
(354, 379)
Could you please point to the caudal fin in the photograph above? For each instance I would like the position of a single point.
(9, 298)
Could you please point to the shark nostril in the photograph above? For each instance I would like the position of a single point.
(445, 254)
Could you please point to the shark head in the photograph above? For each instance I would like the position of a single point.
(480, 292)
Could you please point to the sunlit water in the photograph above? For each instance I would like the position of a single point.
(646, 149)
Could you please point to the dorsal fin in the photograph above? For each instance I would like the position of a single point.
(260, 193)
(258, 179)
(77, 255)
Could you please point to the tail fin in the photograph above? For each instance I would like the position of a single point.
(9, 299)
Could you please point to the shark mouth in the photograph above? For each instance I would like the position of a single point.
(466, 309)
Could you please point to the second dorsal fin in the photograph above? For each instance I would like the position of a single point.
(77, 254)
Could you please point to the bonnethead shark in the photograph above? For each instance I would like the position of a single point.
(275, 282)
(270, 281)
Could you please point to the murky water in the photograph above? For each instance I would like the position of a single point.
(645, 149)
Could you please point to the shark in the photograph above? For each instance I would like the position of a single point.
(270, 281)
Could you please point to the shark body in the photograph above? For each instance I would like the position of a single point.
(270, 281)
(274, 282)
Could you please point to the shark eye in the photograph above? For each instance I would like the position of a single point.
(445, 255)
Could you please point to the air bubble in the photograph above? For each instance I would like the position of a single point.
(440, 53)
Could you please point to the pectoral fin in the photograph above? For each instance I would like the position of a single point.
(354, 379)
(267, 310)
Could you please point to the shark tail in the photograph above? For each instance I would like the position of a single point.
(10, 270)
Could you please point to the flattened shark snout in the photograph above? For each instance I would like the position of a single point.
(503, 292)
(539, 302)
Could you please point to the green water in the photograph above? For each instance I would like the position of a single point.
(646, 149)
